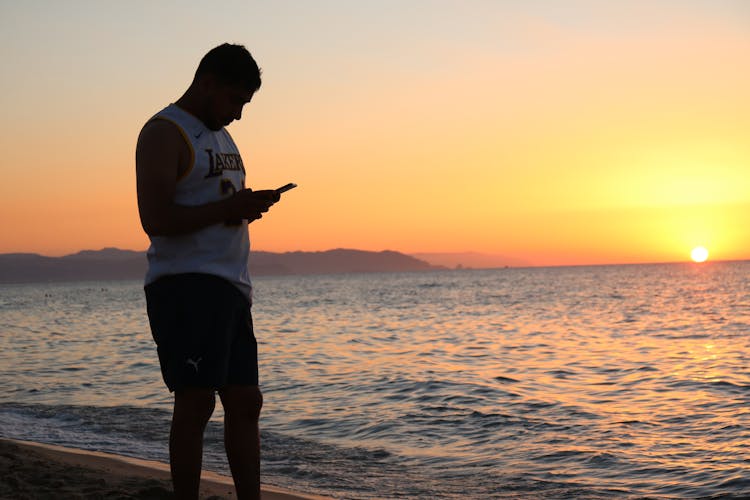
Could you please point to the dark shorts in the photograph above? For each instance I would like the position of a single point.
(203, 331)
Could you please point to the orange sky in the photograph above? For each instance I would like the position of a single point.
(598, 133)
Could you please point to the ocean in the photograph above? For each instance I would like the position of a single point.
(572, 382)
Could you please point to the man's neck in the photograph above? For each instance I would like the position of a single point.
(189, 104)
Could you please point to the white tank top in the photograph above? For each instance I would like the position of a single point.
(215, 172)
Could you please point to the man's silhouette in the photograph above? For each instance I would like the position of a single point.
(195, 209)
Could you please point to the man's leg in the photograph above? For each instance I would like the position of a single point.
(242, 404)
(192, 409)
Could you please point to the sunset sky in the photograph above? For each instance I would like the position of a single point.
(557, 132)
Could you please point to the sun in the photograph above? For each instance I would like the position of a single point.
(699, 254)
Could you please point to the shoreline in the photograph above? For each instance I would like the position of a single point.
(31, 470)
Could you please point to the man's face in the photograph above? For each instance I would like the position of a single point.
(225, 103)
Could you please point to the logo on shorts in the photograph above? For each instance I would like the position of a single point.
(194, 363)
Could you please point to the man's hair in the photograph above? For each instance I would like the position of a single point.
(232, 64)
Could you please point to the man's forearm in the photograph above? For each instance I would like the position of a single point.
(175, 219)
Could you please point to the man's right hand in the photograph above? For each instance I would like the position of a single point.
(251, 205)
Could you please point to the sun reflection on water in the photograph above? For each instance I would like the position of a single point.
(634, 377)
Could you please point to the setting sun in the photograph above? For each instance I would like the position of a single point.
(699, 254)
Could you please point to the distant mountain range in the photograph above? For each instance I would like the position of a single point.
(116, 264)
(88, 265)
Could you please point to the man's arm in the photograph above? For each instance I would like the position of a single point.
(161, 155)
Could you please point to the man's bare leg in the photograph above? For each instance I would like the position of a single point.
(192, 409)
(242, 406)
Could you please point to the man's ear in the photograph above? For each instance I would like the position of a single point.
(207, 83)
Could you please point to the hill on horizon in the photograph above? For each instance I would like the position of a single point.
(117, 264)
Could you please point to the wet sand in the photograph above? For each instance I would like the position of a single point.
(38, 471)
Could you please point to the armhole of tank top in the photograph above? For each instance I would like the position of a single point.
(187, 141)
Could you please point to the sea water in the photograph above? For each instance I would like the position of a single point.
(573, 382)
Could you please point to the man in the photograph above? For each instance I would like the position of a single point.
(195, 209)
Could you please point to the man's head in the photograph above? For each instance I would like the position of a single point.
(226, 79)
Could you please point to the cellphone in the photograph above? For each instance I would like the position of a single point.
(286, 187)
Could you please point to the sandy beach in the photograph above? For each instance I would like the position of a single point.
(39, 471)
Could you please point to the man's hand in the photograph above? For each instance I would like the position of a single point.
(251, 205)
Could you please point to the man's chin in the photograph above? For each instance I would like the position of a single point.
(215, 127)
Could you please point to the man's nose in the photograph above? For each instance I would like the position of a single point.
(238, 114)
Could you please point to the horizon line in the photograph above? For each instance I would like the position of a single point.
(411, 254)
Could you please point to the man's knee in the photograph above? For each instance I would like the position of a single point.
(242, 401)
(194, 405)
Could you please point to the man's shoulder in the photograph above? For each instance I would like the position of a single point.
(158, 128)
(159, 140)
